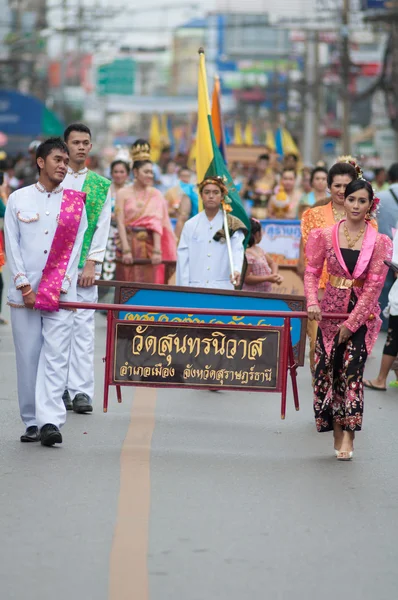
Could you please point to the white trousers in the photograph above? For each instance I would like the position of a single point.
(41, 342)
(81, 361)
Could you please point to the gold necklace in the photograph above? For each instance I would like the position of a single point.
(351, 243)
(337, 215)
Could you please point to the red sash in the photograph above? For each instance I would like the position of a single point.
(72, 206)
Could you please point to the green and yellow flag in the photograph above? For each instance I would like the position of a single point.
(209, 161)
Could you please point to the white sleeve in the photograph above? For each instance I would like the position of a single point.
(100, 237)
(13, 250)
(182, 274)
(395, 248)
(237, 250)
(75, 256)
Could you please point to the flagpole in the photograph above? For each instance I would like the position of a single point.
(228, 240)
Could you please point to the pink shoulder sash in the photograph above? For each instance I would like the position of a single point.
(47, 297)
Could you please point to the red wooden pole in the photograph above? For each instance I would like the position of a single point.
(284, 364)
(293, 373)
(107, 359)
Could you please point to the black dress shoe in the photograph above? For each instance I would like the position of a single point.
(50, 435)
(67, 400)
(31, 434)
(81, 404)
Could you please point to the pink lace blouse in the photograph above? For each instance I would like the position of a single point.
(323, 244)
(257, 259)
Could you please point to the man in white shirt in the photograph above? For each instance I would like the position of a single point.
(202, 255)
(44, 228)
(79, 391)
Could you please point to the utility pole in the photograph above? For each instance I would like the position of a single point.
(316, 149)
(345, 77)
(309, 102)
(63, 59)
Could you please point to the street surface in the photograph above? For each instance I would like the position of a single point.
(192, 495)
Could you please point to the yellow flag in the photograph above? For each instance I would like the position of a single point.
(164, 132)
(249, 134)
(270, 140)
(238, 140)
(288, 143)
(154, 138)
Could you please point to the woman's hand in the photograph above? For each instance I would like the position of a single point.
(314, 313)
(344, 334)
(156, 257)
(127, 258)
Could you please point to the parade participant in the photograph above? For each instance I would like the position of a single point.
(319, 184)
(202, 255)
(284, 203)
(44, 228)
(355, 255)
(175, 194)
(3, 200)
(380, 183)
(339, 176)
(259, 186)
(169, 178)
(261, 270)
(80, 388)
(119, 172)
(390, 352)
(144, 227)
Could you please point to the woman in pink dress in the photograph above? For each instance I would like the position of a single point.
(261, 271)
(354, 254)
(144, 227)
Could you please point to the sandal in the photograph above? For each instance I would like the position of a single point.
(344, 455)
(368, 384)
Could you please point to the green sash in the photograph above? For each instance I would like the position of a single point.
(96, 189)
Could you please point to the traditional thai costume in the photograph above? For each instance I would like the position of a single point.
(44, 234)
(318, 218)
(98, 207)
(142, 218)
(355, 280)
(202, 255)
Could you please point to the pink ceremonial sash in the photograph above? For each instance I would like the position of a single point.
(47, 297)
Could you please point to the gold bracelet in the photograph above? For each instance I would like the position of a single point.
(126, 252)
(28, 292)
(156, 252)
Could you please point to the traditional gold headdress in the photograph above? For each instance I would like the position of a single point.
(140, 152)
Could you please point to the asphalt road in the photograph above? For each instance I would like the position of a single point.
(197, 496)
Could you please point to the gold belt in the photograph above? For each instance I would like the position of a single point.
(345, 284)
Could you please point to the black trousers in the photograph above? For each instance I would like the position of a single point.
(391, 345)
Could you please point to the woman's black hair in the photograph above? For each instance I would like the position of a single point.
(140, 163)
(359, 184)
(120, 162)
(341, 168)
(255, 227)
(318, 170)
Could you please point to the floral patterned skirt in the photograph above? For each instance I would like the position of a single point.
(338, 386)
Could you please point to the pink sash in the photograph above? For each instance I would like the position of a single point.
(47, 297)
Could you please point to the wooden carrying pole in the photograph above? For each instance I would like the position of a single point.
(228, 240)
